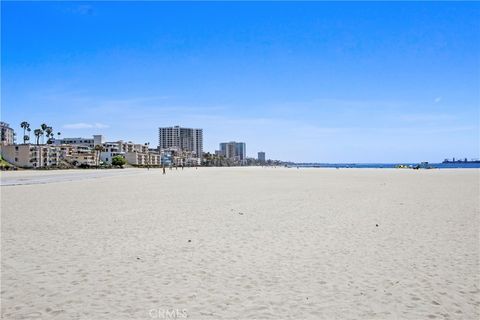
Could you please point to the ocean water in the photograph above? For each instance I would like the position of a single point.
(387, 165)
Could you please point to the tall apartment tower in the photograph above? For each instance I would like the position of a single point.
(186, 139)
(261, 157)
(234, 150)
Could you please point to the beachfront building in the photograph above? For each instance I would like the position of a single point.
(176, 157)
(80, 152)
(261, 157)
(134, 153)
(110, 150)
(90, 142)
(182, 139)
(31, 156)
(81, 156)
(236, 151)
(6, 134)
(143, 159)
(47, 155)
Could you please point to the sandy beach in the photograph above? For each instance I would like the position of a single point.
(240, 243)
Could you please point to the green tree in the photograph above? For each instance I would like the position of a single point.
(38, 133)
(98, 149)
(49, 135)
(118, 161)
(44, 127)
(25, 126)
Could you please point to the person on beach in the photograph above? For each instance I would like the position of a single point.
(163, 169)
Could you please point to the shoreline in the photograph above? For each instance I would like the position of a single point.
(31, 177)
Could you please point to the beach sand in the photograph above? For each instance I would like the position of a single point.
(241, 243)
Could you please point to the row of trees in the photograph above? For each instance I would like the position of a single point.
(215, 160)
(44, 131)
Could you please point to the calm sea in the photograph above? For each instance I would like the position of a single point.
(387, 165)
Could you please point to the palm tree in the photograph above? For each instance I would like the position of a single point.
(28, 130)
(98, 150)
(24, 125)
(44, 127)
(25, 138)
(50, 138)
(58, 134)
(48, 132)
(38, 133)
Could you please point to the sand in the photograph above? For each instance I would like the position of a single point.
(241, 243)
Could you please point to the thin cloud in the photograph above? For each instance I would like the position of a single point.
(83, 125)
(437, 99)
(84, 10)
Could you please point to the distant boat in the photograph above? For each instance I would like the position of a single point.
(461, 161)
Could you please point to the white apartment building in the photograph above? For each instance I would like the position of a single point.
(185, 139)
(31, 156)
(261, 157)
(134, 153)
(82, 156)
(236, 151)
(143, 159)
(78, 151)
(42, 156)
(6, 134)
(97, 140)
(110, 150)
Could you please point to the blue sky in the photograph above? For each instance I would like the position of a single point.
(312, 81)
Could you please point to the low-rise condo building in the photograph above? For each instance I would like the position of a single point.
(31, 156)
(90, 142)
(134, 153)
(46, 155)
(79, 152)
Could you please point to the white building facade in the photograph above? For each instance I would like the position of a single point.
(236, 151)
(184, 139)
(6, 134)
(261, 157)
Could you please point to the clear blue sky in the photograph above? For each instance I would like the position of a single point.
(313, 81)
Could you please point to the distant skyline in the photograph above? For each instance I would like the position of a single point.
(305, 82)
